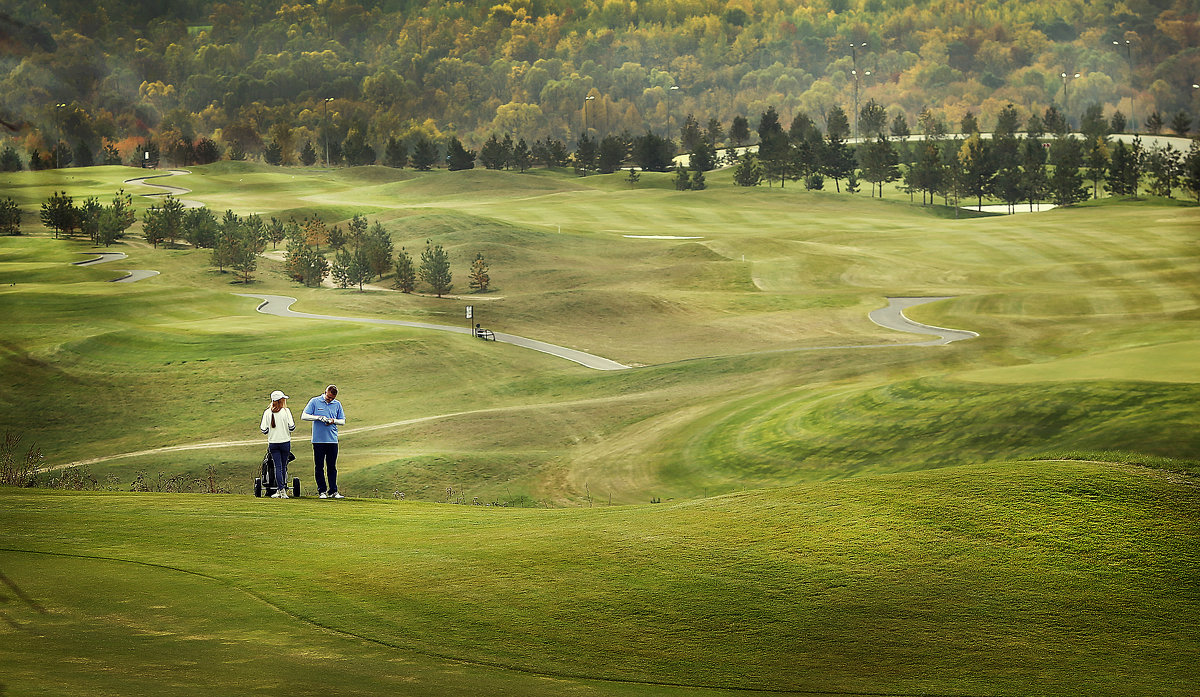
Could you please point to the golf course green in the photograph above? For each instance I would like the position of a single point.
(777, 494)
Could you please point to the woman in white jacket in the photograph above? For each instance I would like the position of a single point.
(278, 424)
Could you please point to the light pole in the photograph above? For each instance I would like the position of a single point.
(866, 73)
(854, 71)
(325, 106)
(671, 89)
(586, 99)
(1066, 97)
(58, 146)
(1129, 61)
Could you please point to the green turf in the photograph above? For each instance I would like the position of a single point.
(1054, 578)
(754, 382)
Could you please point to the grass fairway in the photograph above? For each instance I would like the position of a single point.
(1055, 578)
(840, 512)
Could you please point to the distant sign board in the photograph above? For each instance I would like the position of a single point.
(470, 311)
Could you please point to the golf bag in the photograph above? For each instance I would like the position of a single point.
(265, 485)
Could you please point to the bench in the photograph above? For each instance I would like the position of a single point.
(485, 334)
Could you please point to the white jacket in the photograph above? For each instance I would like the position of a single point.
(284, 425)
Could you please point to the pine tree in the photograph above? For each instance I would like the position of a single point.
(377, 247)
(1181, 123)
(1066, 183)
(522, 158)
(1164, 167)
(89, 218)
(611, 154)
(1155, 123)
(60, 214)
(682, 181)
(748, 171)
(585, 154)
(10, 161)
(10, 217)
(1190, 174)
(492, 155)
(1097, 162)
(1007, 121)
(200, 227)
(479, 275)
(424, 155)
(975, 157)
(435, 269)
(879, 163)
(459, 158)
(395, 154)
(350, 268)
(739, 131)
(406, 274)
(308, 154)
(1033, 170)
(273, 155)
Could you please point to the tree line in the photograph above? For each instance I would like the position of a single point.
(263, 78)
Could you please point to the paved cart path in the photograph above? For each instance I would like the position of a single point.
(130, 276)
(280, 306)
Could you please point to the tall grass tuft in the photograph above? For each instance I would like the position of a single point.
(14, 469)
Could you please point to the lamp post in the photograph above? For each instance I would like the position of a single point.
(671, 89)
(1066, 97)
(854, 72)
(586, 99)
(57, 146)
(1129, 61)
(325, 106)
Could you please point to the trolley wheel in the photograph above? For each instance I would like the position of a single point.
(296, 487)
(258, 487)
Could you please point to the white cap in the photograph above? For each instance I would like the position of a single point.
(278, 395)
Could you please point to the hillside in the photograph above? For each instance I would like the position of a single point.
(756, 363)
(340, 76)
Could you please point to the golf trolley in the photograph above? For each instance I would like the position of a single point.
(265, 485)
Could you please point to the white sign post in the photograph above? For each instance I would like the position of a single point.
(470, 316)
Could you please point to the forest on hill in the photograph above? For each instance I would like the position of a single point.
(113, 75)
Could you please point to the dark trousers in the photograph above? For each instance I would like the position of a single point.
(326, 457)
(279, 455)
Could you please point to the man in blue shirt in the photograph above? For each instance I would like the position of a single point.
(326, 414)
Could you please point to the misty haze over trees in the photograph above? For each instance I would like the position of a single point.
(358, 82)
